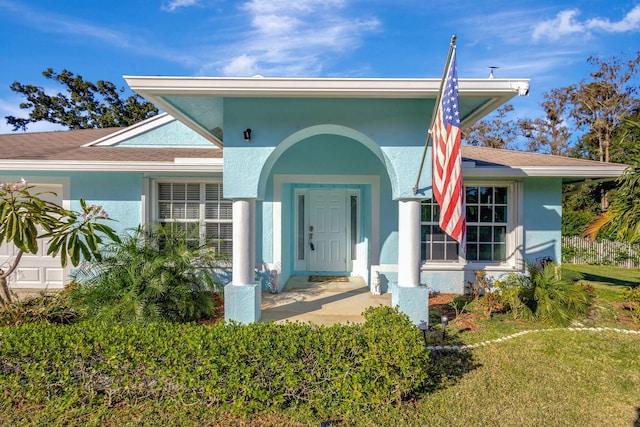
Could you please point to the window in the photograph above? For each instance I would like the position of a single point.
(435, 245)
(199, 210)
(486, 223)
(487, 217)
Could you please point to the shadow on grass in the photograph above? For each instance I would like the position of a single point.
(610, 280)
(636, 423)
(446, 368)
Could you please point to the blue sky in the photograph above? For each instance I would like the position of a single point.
(546, 40)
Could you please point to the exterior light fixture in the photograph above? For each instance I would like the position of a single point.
(423, 328)
(445, 322)
(247, 134)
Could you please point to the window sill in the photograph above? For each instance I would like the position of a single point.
(473, 266)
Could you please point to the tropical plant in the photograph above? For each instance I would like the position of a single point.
(622, 219)
(542, 295)
(155, 274)
(26, 217)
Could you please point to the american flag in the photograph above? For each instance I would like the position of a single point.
(448, 189)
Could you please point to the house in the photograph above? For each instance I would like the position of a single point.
(317, 178)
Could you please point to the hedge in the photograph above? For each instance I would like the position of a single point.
(244, 368)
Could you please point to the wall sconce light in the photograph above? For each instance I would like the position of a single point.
(247, 134)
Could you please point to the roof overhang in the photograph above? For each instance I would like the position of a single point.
(569, 174)
(178, 165)
(486, 94)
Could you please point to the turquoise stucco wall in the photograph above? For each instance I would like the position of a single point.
(172, 134)
(542, 218)
(397, 129)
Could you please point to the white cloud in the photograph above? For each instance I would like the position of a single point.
(566, 23)
(291, 38)
(242, 65)
(175, 4)
(563, 24)
(631, 22)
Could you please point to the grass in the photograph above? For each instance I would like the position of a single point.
(605, 275)
(551, 378)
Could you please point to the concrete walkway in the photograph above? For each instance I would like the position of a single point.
(324, 303)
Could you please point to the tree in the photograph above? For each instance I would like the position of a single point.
(496, 133)
(622, 219)
(25, 217)
(599, 105)
(549, 134)
(87, 105)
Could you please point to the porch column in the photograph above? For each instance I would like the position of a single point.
(409, 295)
(242, 297)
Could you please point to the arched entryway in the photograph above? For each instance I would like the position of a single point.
(324, 188)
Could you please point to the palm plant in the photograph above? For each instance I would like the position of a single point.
(542, 295)
(622, 219)
(153, 275)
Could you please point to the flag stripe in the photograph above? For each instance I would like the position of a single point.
(447, 183)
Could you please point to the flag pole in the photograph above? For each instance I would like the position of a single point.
(452, 45)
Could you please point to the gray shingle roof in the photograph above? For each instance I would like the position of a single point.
(483, 156)
(68, 146)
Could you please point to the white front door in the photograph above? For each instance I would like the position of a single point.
(326, 230)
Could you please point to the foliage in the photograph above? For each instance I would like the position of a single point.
(87, 105)
(496, 133)
(482, 290)
(45, 307)
(622, 219)
(600, 103)
(543, 295)
(155, 274)
(549, 134)
(574, 222)
(632, 297)
(26, 217)
(343, 369)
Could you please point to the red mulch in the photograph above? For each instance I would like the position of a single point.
(218, 314)
(439, 303)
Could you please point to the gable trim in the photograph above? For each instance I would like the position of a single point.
(132, 131)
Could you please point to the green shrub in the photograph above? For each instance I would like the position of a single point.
(153, 275)
(631, 297)
(542, 295)
(574, 222)
(322, 370)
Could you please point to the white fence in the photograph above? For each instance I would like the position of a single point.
(577, 250)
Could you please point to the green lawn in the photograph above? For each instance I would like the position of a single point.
(556, 377)
(604, 274)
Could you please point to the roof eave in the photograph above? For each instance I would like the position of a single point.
(157, 88)
(318, 87)
(581, 172)
(178, 165)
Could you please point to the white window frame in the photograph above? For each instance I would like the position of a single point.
(201, 221)
(513, 233)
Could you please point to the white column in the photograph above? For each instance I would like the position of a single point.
(409, 243)
(243, 241)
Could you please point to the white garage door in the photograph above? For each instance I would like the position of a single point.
(37, 271)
